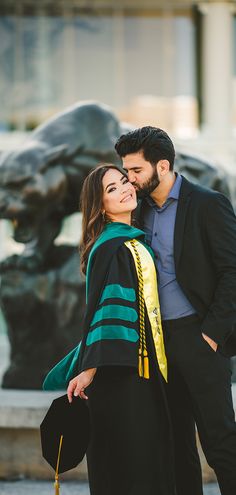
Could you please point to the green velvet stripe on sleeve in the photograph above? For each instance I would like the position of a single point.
(117, 291)
(115, 311)
(116, 316)
(112, 332)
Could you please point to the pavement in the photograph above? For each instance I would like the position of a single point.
(27, 487)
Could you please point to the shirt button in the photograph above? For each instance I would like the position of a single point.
(155, 234)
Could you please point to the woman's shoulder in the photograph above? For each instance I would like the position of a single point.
(115, 234)
(110, 257)
(108, 251)
(112, 239)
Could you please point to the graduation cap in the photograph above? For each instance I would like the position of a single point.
(65, 435)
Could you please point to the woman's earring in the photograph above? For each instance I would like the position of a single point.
(103, 215)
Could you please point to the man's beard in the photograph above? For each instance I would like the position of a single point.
(148, 187)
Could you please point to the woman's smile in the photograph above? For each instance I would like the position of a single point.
(127, 198)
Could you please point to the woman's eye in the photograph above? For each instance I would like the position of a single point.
(125, 180)
(111, 190)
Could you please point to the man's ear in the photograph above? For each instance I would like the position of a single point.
(163, 166)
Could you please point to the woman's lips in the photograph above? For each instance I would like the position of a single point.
(127, 198)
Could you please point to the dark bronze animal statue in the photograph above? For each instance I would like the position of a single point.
(42, 290)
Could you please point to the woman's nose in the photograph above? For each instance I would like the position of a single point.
(125, 189)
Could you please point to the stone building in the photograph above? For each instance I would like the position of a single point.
(168, 62)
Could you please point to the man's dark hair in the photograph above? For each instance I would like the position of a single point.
(153, 142)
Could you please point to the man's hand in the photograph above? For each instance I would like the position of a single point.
(79, 383)
(211, 342)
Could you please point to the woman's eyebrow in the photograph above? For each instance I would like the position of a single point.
(114, 183)
(111, 184)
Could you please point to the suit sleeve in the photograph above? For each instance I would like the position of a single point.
(221, 234)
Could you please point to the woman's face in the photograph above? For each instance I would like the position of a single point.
(119, 196)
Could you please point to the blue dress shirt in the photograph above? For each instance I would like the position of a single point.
(159, 223)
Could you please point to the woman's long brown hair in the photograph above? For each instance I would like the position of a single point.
(93, 221)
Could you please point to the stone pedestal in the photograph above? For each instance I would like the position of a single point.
(21, 413)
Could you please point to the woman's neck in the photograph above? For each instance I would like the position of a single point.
(122, 218)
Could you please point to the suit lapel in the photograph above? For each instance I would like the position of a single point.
(182, 208)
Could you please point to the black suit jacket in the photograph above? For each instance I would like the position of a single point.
(205, 259)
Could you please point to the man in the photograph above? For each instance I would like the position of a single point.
(192, 231)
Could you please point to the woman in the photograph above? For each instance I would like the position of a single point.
(122, 359)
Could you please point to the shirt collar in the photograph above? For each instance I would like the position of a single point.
(173, 194)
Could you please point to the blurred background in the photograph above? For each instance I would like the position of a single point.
(168, 62)
(171, 64)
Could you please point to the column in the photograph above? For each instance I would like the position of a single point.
(18, 102)
(217, 59)
(42, 67)
(119, 81)
(70, 58)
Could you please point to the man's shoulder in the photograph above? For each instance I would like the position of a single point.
(199, 191)
(187, 188)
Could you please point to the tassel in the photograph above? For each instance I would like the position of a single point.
(145, 364)
(140, 363)
(57, 486)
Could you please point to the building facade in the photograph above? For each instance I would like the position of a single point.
(170, 63)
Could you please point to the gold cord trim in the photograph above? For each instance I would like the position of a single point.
(143, 354)
(151, 300)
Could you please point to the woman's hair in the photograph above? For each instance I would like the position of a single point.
(93, 220)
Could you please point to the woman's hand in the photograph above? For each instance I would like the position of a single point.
(79, 383)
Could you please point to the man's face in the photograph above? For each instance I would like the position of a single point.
(142, 174)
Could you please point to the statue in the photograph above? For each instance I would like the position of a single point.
(42, 290)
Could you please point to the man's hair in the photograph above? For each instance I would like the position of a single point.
(154, 143)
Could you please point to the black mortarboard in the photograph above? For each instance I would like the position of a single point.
(65, 433)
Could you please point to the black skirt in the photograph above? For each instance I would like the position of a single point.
(130, 452)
